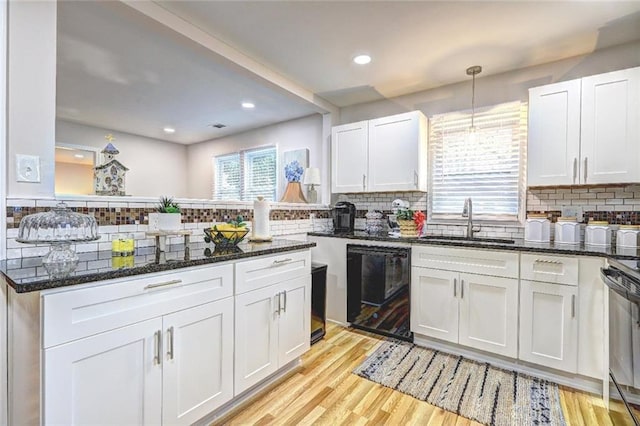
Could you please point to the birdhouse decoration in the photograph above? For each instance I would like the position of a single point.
(109, 177)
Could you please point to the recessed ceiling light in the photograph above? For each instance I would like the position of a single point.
(248, 105)
(362, 59)
(169, 130)
(78, 155)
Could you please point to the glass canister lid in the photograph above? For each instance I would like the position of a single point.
(57, 225)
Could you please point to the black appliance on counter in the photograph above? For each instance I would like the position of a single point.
(623, 281)
(378, 284)
(344, 216)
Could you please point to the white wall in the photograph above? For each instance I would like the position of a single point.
(31, 91)
(156, 167)
(495, 89)
(3, 221)
(304, 132)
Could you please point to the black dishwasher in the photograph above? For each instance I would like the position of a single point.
(378, 287)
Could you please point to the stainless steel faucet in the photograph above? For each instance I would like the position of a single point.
(467, 212)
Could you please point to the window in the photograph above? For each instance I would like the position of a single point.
(487, 166)
(245, 175)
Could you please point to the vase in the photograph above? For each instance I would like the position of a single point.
(293, 193)
(408, 228)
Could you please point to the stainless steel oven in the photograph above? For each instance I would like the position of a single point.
(623, 281)
(378, 281)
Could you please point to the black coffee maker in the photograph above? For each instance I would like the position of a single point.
(344, 216)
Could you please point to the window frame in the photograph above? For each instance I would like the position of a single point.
(499, 220)
(242, 157)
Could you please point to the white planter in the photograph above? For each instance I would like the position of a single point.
(169, 221)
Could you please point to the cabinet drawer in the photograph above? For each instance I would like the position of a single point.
(76, 313)
(484, 262)
(265, 271)
(551, 269)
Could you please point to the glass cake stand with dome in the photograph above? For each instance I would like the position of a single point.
(59, 227)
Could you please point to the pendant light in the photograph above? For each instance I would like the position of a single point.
(473, 71)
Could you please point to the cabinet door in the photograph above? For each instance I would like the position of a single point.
(611, 127)
(489, 314)
(434, 303)
(109, 378)
(256, 337)
(554, 134)
(549, 325)
(294, 319)
(198, 361)
(349, 157)
(635, 339)
(397, 153)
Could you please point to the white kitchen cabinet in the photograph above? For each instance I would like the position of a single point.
(111, 378)
(381, 155)
(610, 127)
(489, 314)
(554, 134)
(197, 375)
(549, 325)
(585, 131)
(434, 303)
(349, 144)
(473, 310)
(272, 328)
(160, 349)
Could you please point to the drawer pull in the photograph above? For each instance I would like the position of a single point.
(461, 289)
(285, 301)
(551, 262)
(156, 347)
(283, 261)
(455, 284)
(573, 306)
(170, 343)
(277, 311)
(164, 284)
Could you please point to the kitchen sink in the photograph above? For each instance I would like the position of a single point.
(465, 239)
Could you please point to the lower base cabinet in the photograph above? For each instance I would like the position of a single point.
(272, 329)
(549, 325)
(167, 370)
(470, 309)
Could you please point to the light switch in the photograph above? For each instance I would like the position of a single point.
(27, 168)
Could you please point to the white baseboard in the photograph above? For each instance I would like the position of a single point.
(574, 381)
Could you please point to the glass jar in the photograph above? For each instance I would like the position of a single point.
(122, 245)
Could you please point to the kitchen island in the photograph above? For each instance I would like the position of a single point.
(173, 337)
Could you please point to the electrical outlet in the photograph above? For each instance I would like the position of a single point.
(571, 211)
(27, 168)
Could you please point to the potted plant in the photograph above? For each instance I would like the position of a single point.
(169, 217)
(410, 222)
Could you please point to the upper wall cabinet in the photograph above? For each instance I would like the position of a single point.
(585, 131)
(381, 155)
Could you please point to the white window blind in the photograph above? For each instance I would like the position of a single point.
(245, 175)
(487, 166)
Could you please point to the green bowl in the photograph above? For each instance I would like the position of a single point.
(225, 238)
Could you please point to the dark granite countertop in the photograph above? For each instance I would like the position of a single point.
(497, 244)
(27, 274)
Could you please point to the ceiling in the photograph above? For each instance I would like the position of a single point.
(121, 70)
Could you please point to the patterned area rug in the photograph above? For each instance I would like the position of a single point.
(477, 391)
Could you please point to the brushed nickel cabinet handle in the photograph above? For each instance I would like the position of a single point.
(170, 342)
(164, 284)
(585, 169)
(277, 311)
(156, 347)
(573, 306)
(461, 289)
(415, 178)
(280, 262)
(455, 284)
(285, 300)
(575, 169)
(364, 185)
(551, 262)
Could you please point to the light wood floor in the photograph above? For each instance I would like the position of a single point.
(323, 391)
